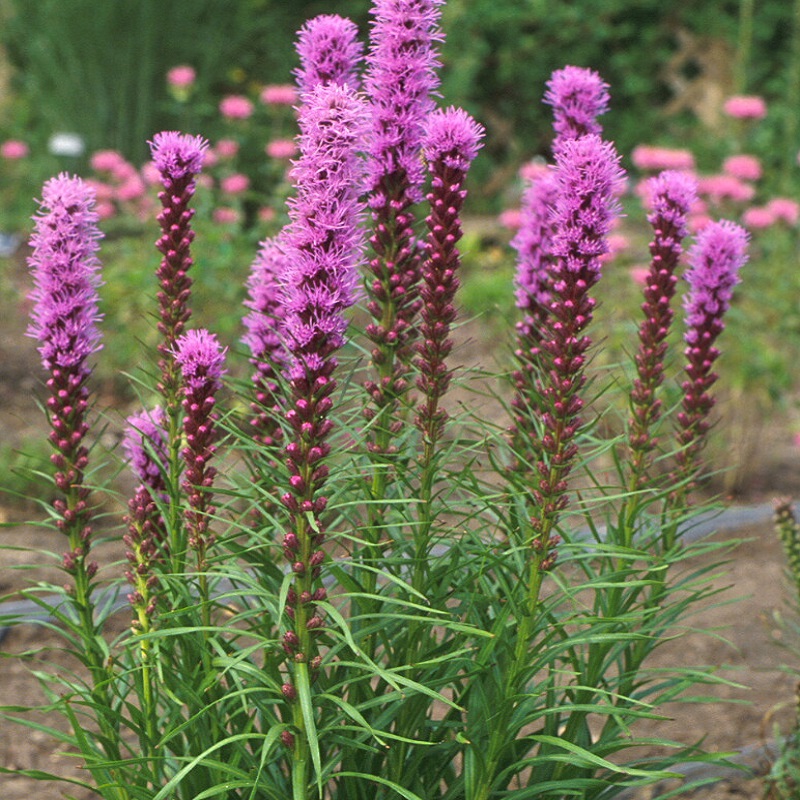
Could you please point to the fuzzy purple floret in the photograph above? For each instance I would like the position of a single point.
(145, 445)
(672, 194)
(66, 274)
(453, 137)
(533, 243)
(200, 358)
(264, 321)
(329, 52)
(718, 254)
(323, 240)
(401, 80)
(178, 155)
(588, 177)
(578, 96)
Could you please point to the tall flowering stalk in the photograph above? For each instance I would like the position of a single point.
(200, 359)
(179, 159)
(671, 196)
(264, 338)
(64, 321)
(718, 254)
(451, 143)
(329, 52)
(323, 244)
(401, 79)
(578, 96)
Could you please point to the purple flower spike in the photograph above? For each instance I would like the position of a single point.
(672, 195)
(200, 359)
(323, 241)
(64, 320)
(264, 337)
(578, 96)
(452, 142)
(588, 174)
(145, 446)
(323, 245)
(329, 52)
(401, 82)
(179, 159)
(714, 263)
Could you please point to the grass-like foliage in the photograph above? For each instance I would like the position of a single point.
(342, 584)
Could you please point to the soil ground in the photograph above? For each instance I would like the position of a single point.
(747, 645)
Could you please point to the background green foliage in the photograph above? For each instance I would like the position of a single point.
(98, 68)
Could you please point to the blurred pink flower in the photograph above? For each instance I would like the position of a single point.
(796, 440)
(151, 174)
(132, 189)
(204, 179)
(124, 172)
(785, 209)
(235, 106)
(746, 168)
(235, 184)
(182, 76)
(14, 149)
(266, 213)
(758, 217)
(105, 209)
(648, 157)
(225, 215)
(533, 170)
(279, 95)
(639, 274)
(226, 148)
(106, 160)
(745, 107)
(281, 148)
(725, 187)
(696, 222)
(102, 191)
(510, 219)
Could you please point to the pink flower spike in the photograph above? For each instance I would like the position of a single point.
(201, 359)
(181, 77)
(745, 107)
(177, 155)
(578, 96)
(236, 107)
(14, 150)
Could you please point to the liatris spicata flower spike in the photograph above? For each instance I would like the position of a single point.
(401, 80)
(718, 254)
(671, 196)
(145, 446)
(578, 96)
(533, 243)
(323, 247)
(64, 321)
(265, 339)
(789, 533)
(200, 358)
(452, 139)
(588, 175)
(179, 159)
(329, 52)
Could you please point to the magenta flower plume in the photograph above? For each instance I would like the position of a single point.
(588, 174)
(323, 247)
(718, 254)
(144, 443)
(578, 96)
(64, 321)
(329, 52)
(201, 359)
(401, 81)
(179, 159)
(451, 143)
(264, 338)
(672, 195)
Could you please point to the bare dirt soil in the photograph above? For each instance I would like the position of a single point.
(745, 644)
